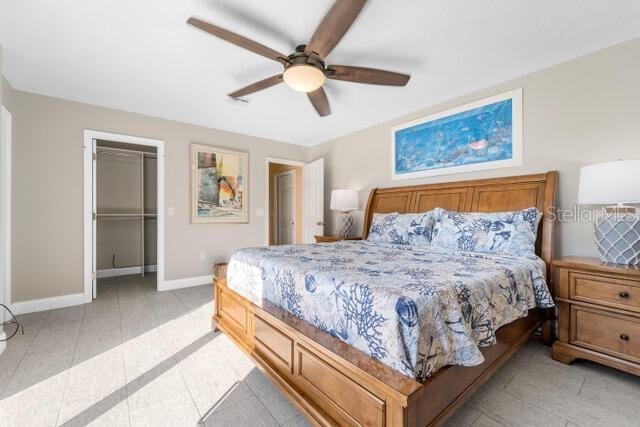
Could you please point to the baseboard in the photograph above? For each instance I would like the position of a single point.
(170, 285)
(31, 306)
(124, 271)
(42, 304)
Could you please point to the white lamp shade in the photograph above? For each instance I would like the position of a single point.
(610, 182)
(344, 200)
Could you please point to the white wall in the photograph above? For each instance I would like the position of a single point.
(579, 112)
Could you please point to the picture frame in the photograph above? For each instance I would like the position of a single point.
(219, 185)
(481, 135)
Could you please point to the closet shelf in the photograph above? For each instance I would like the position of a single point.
(126, 216)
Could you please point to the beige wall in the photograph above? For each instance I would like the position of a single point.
(275, 168)
(48, 192)
(579, 112)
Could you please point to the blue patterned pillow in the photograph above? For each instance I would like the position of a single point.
(402, 229)
(512, 233)
(421, 228)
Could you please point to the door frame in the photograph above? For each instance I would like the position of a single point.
(314, 223)
(267, 185)
(5, 193)
(89, 184)
(275, 224)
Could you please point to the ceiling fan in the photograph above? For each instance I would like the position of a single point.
(305, 69)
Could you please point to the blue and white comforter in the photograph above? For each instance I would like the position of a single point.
(416, 310)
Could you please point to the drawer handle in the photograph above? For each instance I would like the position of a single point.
(624, 337)
(623, 294)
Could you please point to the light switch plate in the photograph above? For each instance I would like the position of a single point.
(260, 212)
(171, 211)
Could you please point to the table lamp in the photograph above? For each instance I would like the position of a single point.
(344, 201)
(617, 230)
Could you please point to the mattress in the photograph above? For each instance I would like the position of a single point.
(413, 309)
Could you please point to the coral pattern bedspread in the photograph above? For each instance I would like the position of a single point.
(414, 309)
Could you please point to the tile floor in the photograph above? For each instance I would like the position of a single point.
(140, 357)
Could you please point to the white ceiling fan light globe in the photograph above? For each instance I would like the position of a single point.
(304, 78)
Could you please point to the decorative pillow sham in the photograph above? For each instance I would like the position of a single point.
(402, 229)
(421, 229)
(512, 233)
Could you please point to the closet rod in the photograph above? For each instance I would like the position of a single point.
(129, 155)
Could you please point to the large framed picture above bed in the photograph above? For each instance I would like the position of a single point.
(218, 185)
(486, 134)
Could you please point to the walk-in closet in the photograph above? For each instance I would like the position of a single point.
(126, 214)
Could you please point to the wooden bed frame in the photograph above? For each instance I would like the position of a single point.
(331, 382)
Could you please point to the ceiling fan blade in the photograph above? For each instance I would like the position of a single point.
(366, 75)
(238, 40)
(334, 25)
(320, 102)
(255, 87)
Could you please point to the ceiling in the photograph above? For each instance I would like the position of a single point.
(140, 56)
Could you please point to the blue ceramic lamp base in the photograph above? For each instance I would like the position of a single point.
(344, 224)
(617, 235)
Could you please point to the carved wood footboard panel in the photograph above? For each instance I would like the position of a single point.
(332, 383)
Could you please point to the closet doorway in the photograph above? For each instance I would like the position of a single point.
(124, 203)
(284, 207)
(285, 201)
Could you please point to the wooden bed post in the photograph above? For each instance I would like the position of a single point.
(548, 250)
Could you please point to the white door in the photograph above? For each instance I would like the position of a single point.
(5, 208)
(94, 225)
(313, 200)
(285, 208)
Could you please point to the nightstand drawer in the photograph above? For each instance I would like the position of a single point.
(611, 292)
(611, 333)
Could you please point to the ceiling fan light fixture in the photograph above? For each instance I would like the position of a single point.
(304, 77)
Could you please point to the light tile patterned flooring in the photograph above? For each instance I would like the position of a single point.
(140, 357)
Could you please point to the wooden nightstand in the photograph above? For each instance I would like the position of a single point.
(598, 313)
(329, 239)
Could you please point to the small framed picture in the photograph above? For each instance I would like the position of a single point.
(218, 185)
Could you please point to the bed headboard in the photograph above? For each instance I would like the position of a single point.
(481, 195)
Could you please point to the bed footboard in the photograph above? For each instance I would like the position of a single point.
(334, 384)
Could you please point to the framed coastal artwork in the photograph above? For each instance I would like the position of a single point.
(218, 185)
(485, 134)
